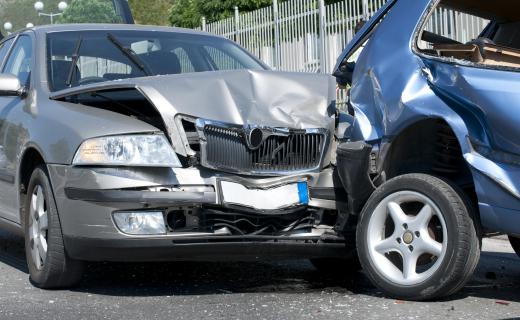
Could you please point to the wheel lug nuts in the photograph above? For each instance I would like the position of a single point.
(411, 248)
(398, 240)
(405, 226)
(417, 234)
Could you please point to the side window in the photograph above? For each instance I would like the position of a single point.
(19, 62)
(4, 49)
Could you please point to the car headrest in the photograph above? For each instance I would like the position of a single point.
(163, 62)
(60, 73)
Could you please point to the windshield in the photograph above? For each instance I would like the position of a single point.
(84, 57)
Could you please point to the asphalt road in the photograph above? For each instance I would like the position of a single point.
(267, 290)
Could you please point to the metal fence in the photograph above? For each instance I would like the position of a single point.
(308, 36)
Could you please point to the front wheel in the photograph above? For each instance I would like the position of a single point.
(416, 238)
(49, 265)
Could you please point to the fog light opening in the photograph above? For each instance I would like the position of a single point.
(176, 219)
(140, 222)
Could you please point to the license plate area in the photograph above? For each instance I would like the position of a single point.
(271, 198)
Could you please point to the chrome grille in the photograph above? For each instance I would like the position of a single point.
(227, 149)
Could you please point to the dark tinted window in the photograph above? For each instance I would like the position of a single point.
(19, 62)
(4, 49)
(112, 55)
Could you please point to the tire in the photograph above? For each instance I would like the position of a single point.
(515, 243)
(50, 268)
(417, 239)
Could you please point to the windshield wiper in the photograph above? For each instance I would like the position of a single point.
(75, 58)
(129, 53)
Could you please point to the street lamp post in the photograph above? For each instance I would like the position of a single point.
(38, 6)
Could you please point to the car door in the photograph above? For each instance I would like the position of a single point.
(19, 63)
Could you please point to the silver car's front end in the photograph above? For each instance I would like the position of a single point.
(237, 190)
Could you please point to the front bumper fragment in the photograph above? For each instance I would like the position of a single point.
(142, 197)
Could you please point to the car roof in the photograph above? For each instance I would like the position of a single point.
(113, 27)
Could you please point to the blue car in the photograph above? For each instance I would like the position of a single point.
(430, 150)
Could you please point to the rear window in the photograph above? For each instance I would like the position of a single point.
(79, 58)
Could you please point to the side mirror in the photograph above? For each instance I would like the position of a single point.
(10, 86)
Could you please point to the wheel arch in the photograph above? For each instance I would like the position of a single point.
(430, 146)
(31, 158)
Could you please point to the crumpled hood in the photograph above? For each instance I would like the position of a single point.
(279, 99)
(267, 98)
(244, 97)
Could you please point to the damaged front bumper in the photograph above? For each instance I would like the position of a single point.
(203, 221)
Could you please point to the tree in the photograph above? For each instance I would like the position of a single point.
(21, 12)
(154, 12)
(90, 11)
(184, 13)
(188, 13)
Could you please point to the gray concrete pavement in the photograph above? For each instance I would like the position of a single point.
(267, 290)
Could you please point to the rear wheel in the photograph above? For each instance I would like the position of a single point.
(49, 265)
(416, 238)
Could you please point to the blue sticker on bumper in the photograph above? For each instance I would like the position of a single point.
(303, 192)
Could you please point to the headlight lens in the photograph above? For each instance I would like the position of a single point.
(129, 150)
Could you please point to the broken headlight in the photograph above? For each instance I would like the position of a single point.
(127, 150)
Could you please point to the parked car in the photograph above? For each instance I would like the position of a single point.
(431, 162)
(133, 143)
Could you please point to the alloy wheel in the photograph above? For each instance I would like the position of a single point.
(38, 226)
(407, 238)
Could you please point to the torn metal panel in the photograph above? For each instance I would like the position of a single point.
(486, 99)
